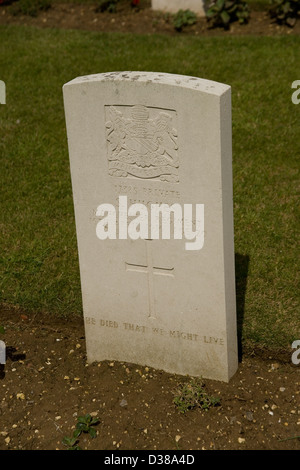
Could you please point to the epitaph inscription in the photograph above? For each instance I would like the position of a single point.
(142, 143)
(142, 329)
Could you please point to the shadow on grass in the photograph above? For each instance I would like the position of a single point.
(241, 275)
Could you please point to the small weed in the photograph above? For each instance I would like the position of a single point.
(2, 329)
(84, 424)
(184, 18)
(285, 11)
(71, 443)
(191, 395)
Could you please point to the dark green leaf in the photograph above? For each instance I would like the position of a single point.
(82, 427)
(230, 5)
(220, 4)
(225, 17)
(95, 421)
(211, 12)
(69, 441)
(84, 419)
(81, 419)
(92, 432)
(77, 433)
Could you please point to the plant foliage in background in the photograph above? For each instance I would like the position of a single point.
(285, 11)
(29, 7)
(224, 12)
(111, 5)
(184, 18)
(107, 5)
(85, 424)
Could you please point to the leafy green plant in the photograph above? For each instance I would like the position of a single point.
(71, 443)
(285, 11)
(184, 18)
(224, 12)
(107, 5)
(2, 329)
(29, 7)
(85, 424)
(191, 395)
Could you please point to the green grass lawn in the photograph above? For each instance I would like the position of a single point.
(38, 259)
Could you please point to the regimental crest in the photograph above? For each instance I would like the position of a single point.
(142, 143)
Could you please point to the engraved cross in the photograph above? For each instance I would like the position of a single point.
(151, 271)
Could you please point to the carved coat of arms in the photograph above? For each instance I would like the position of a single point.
(140, 146)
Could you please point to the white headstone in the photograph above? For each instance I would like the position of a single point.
(173, 6)
(150, 297)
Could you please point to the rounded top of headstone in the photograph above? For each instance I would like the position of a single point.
(185, 81)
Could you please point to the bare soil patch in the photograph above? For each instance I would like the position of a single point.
(46, 384)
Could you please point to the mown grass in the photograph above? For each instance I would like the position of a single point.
(38, 259)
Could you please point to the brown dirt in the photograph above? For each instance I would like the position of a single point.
(46, 384)
(140, 20)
